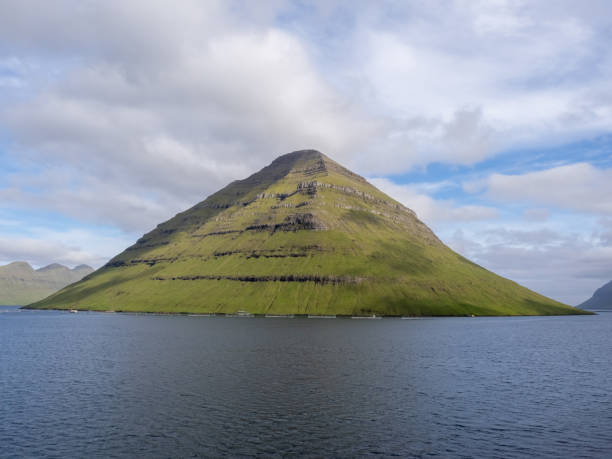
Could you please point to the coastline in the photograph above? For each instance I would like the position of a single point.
(578, 312)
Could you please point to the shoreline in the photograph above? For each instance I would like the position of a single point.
(237, 314)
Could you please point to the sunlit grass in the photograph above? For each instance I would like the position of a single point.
(390, 262)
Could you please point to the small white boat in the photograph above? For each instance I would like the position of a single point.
(73, 311)
(373, 316)
(240, 314)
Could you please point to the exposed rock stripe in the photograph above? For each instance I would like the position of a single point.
(282, 278)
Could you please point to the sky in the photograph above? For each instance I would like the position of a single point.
(491, 119)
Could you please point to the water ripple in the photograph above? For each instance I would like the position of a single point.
(114, 385)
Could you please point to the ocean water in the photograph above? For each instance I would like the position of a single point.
(122, 385)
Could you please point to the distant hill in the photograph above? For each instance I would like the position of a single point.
(21, 284)
(601, 299)
(302, 236)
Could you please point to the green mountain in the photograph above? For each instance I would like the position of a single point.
(302, 236)
(601, 299)
(22, 284)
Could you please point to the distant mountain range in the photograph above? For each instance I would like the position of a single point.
(21, 284)
(302, 236)
(601, 299)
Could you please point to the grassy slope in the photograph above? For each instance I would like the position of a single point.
(17, 293)
(374, 255)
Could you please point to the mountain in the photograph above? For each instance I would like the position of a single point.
(302, 236)
(22, 284)
(601, 299)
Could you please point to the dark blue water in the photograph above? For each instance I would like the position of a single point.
(118, 385)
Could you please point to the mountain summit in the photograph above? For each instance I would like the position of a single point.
(22, 284)
(302, 236)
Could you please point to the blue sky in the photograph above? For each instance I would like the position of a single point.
(491, 119)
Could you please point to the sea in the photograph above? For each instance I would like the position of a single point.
(112, 385)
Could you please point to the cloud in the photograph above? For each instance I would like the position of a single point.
(579, 187)
(124, 113)
(166, 129)
(605, 232)
(97, 203)
(559, 242)
(146, 93)
(70, 247)
(536, 215)
(40, 252)
(565, 266)
(507, 74)
(432, 210)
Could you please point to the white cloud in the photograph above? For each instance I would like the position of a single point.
(432, 210)
(565, 266)
(560, 245)
(507, 74)
(42, 246)
(124, 113)
(536, 214)
(162, 97)
(580, 187)
(176, 130)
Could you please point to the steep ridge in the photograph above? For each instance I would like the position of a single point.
(302, 236)
(21, 284)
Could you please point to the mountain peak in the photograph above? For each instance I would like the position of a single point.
(22, 284)
(304, 235)
(51, 267)
(310, 164)
(19, 265)
(300, 160)
(308, 153)
(82, 268)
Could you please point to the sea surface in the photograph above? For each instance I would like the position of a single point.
(125, 385)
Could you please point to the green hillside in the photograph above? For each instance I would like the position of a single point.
(302, 236)
(22, 284)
